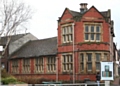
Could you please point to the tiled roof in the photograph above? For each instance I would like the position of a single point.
(104, 13)
(75, 13)
(12, 38)
(37, 48)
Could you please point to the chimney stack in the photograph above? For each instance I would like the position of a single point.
(83, 7)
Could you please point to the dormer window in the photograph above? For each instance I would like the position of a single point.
(67, 33)
(92, 32)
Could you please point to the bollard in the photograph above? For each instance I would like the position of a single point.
(85, 84)
(107, 83)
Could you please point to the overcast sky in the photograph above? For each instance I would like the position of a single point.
(44, 21)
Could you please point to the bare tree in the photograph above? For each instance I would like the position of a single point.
(14, 14)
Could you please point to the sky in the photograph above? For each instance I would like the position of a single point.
(46, 12)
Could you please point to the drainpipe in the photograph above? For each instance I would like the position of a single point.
(110, 41)
(73, 55)
(57, 69)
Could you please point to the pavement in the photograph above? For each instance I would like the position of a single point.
(116, 82)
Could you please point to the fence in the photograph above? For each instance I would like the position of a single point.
(78, 84)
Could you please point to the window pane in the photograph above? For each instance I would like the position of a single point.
(86, 29)
(70, 58)
(71, 66)
(54, 59)
(89, 55)
(54, 67)
(89, 66)
(63, 31)
(98, 66)
(64, 38)
(67, 58)
(97, 36)
(64, 58)
(98, 55)
(64, 67)
(48, 60)
(67, 38)
(51, 67)
(67, 62)
(92, 28)
(105, 57)
(51, 60)
(82, 58)
(70, 29)
(41, 61)
(67, 33)
(92, 36)
(82, 66)
(97, 28)
(36, 61)
(70, 37)
(86, 36)
(48, 67)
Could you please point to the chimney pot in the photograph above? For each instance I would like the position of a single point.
(83, 7)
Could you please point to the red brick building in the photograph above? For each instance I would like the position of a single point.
(84, 39)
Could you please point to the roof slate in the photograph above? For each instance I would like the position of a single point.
(37, 48)
(75, 13)
(104, 13)
(79, 14)
(3, 40)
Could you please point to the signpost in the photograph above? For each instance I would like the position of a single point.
(107, 72)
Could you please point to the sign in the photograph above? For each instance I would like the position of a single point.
(106, 70)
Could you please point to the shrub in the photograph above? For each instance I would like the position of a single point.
(4, 74)
(9, 80)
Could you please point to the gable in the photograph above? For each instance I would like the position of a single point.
(92, 13)
(66, 15)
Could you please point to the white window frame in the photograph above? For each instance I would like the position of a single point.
(89, 62)
(95, 32)
(93, 60)
(105, 57)
(82, 59)
(68, 35)
(98, 61)
(51, 64)
(39, 65)
(26, 65)
(67, 63)
(15, 66)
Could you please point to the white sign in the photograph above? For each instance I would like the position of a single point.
(106, 70)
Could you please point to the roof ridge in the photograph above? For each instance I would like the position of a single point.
(16, 35)
(42, 39)
(103, 11)
(48, 38)
(75, 11)
(21, 36)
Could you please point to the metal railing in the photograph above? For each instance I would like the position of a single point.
(77, 84)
